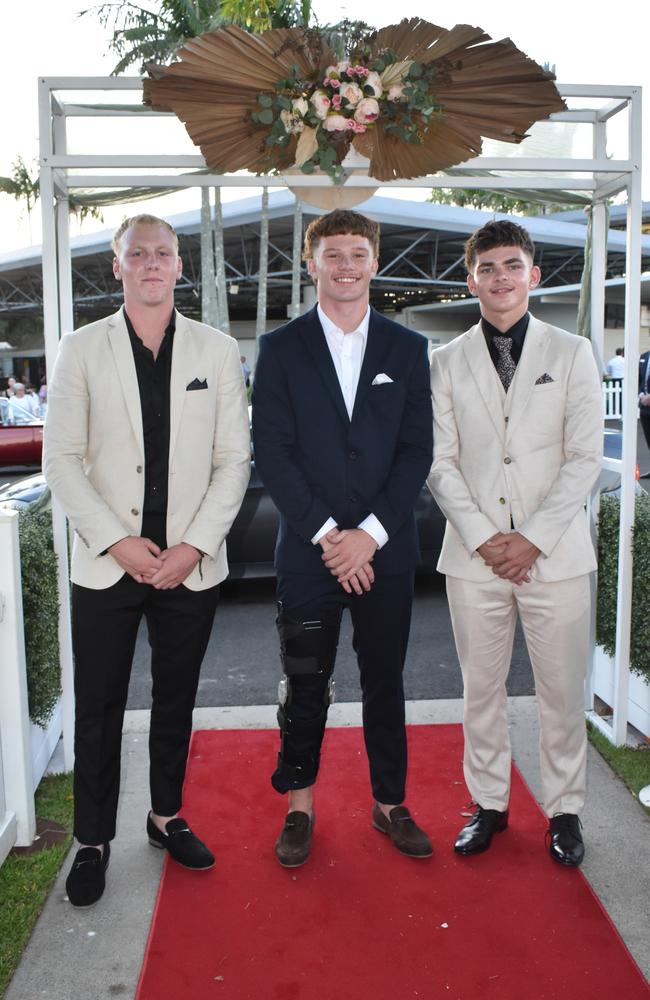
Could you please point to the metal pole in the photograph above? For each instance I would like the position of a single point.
(220, 258)
(260, 326)
(296, 261)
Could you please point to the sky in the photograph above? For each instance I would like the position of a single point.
(586, 43)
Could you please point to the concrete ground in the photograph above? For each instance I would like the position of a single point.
(96, 954)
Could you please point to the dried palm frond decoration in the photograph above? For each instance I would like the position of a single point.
(413, 98)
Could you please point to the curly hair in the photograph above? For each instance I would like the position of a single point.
(498, 233)
(337, 223)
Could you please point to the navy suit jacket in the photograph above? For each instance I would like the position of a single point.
(317, 463)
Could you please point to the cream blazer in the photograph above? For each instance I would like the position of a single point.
(531, 455)
(94, 449)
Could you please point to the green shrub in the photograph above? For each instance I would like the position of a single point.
(608, 524)
(41, 613)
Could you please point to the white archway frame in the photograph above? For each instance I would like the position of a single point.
(600, 176)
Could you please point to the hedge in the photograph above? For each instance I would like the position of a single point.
(608, 525)
(41, 613)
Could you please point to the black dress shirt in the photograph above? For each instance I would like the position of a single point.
(153, 381)
(517, 332)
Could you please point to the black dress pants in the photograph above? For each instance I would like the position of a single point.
(104, 630)
(644, 414)
(381, 621)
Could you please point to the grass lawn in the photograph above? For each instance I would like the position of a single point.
(26, 879)
(631, 764)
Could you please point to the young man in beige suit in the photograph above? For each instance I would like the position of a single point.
(147, 448)
(517, 448)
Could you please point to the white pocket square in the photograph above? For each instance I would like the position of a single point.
(381, 379)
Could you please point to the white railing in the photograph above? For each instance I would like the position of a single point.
(613, 400)
(17, 816)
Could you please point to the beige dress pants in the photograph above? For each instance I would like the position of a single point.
(555, 620)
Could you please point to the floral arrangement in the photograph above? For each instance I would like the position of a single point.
(412, 98)
(347, 99)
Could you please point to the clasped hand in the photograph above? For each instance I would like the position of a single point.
(146, 562)
(348, 555)
(510, 556)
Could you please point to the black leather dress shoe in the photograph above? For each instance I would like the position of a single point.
(294, 843)
(476, 836)
(566, 844)
(87, 879)
(179, 841)
(404, 832)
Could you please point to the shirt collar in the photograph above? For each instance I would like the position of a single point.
(517, 331)
(170, 329)
(329, 327)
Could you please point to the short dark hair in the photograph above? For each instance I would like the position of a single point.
(337, 223)
(498, 233)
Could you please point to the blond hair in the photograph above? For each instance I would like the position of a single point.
(140, 220)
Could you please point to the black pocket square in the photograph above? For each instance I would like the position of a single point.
(543, 379)
(197, 383)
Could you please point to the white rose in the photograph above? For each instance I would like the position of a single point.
(366, 111)
(292, 123)
(300, 106)
(321, 103)
(336, 123)
(351, 93)
(374, 80)
(396, 92)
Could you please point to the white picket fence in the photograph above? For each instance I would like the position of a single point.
(613, 400)
(17, 816)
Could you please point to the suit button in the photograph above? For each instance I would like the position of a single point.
(354, 498)
(138, 468)
(507, 419)
(502, 499)
(507, 460)
(352, 455)
(135, 511)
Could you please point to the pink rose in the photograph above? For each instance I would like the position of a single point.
(337, 101)
(357, 126)
(396, 92)
(332, 81)
(321, 103)
(351, 93)
(336, 123)
(366, 111)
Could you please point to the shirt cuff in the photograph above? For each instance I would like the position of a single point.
(329, 524)
(373, 526)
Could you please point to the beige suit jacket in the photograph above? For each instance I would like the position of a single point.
(94, 447)
(531, 455)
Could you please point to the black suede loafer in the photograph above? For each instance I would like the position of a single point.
(181, 844)
(294, 843)
(566, 844)
(476, 836)
(87, 879)
(404, 832)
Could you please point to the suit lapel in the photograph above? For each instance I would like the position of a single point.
(377, 344)
(484, 375)
(186, 365)
(120, 342)
(313, 338)
(532, 364)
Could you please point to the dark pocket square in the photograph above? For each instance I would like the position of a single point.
(197, 384)
(543, 379)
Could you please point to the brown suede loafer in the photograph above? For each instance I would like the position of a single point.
(406, 835)
(294, 843)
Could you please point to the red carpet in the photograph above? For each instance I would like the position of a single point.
(359, 921)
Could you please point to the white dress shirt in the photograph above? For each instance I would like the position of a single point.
(347, 351)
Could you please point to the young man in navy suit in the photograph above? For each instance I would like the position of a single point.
(342, 425)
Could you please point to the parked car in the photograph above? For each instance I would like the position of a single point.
(21, 444)
(251, 541)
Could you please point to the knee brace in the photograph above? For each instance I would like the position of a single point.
(306, 648)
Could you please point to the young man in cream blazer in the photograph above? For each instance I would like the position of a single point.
(147, 448)
(518, 439)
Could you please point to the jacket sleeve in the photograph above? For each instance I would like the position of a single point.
(231, 459)
(446, 481)
(274, 438)
(413, 454)
(583, 444)
(64, 452)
